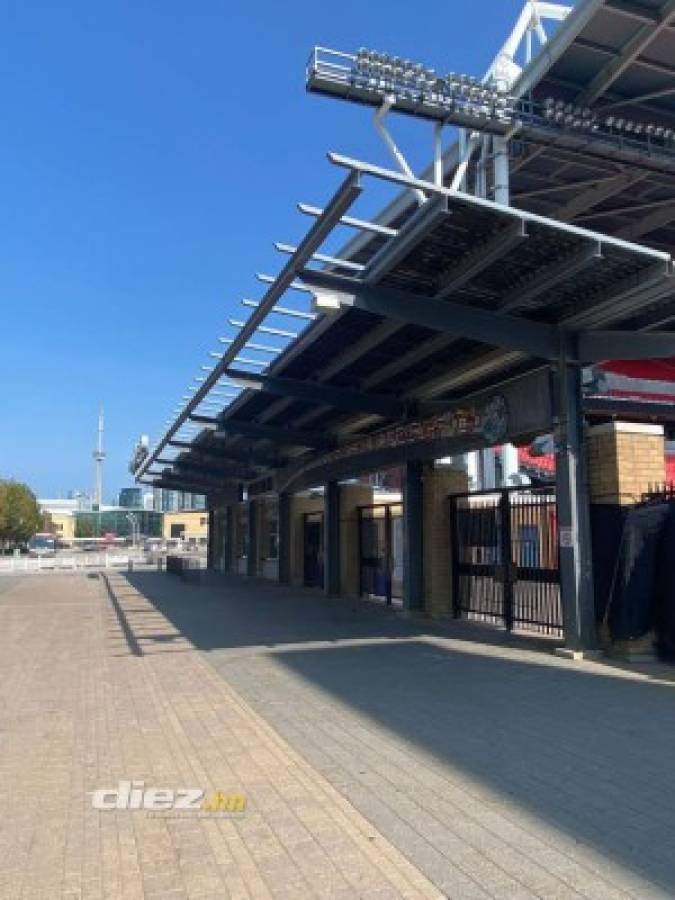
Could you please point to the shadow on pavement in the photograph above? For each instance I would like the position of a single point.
(587, 751)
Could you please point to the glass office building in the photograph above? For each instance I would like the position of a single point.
(170, 501)
(117, 522)
(131, 498)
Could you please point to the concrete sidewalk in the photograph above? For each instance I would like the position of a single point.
(96, 687)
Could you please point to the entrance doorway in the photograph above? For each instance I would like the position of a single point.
(381, 551)
(505, 558)
(312, 534)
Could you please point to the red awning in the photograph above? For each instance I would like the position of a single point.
(652, 369)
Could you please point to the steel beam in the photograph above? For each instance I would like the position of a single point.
(282, 311)
(420, 223)
(441, 315)
(341, 201)
(352, 401)
(238, 454)
(350, 221)
(627, 55)
(494, 249)
(283, 436)
(289, 249)
(207, 468)
(598, 194)
(597, 346)
(659, 218)
(497, 209)
(549, 277)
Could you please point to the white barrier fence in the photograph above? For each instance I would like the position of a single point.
(20, 565)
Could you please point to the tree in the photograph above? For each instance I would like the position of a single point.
(20, 516)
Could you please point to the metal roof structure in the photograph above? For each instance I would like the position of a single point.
(435, 301)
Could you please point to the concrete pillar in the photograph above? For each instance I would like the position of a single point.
(331, 539)
(625, 460)
(252, 558)
(576, 572)
(284, 572)
(413, 542)
(439, 483)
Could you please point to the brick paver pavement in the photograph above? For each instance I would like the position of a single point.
(98, 686)
(498, 769)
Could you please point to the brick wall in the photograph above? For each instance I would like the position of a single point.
(438, 485)
(624, 460)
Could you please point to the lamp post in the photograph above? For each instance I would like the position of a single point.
(134, 527)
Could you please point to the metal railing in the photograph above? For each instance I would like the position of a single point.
(78, 562)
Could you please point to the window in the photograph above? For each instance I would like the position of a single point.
(202, 521)
(177, 530)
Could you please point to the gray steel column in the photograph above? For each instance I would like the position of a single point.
(226, 537)
(210, 554)
(331, 539)
(413, 543)
(252, 560)
(284, 539)
(574, 532)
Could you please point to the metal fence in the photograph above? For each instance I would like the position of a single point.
(78, 562)
(505, 553)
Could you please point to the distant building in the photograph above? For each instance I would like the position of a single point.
(191, 526)
(170, 501)
(131, 498)
(117, 522)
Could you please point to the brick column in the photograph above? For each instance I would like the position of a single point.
(351, 497)
(625, 459)
(438, 485)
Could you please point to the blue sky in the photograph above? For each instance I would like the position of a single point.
(151, 153)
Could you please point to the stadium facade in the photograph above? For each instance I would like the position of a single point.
(520, 289)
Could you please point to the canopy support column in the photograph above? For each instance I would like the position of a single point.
(284, 541)
(332, 539)
(574, 532)
(252, 558)
(413, 545)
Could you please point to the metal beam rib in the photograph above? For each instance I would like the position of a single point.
(342, 200)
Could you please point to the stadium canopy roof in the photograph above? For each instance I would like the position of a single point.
(618, 57)
(438, 301)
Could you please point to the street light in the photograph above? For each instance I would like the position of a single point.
(133, 521)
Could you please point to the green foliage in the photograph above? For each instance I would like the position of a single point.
(20, 516)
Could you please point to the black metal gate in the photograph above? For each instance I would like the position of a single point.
(381, 551)
(505, 558)
(313, 549)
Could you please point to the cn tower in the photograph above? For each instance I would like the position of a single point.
(99, 456)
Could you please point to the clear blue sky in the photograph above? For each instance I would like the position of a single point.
(151, 152)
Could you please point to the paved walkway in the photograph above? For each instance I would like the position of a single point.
(380, 757)
(98, 687)
(499, 770)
